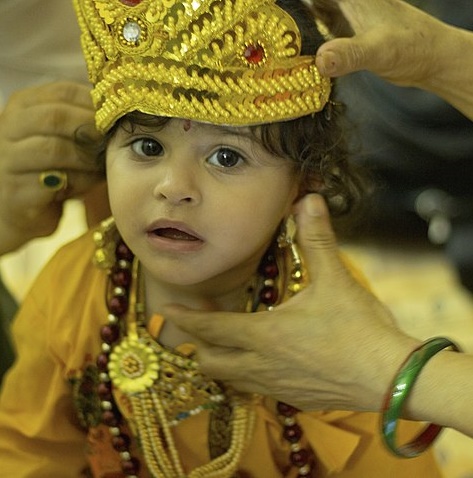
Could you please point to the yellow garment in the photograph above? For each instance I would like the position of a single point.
(57, 335)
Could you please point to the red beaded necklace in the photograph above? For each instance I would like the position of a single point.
(118, 302)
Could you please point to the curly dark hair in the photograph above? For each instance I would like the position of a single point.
(316, 143)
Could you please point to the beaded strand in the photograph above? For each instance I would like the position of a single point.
(292, 432)
(118, 304)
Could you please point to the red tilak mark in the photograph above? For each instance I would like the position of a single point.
(187, 125)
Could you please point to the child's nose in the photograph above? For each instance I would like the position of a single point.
(177, 183)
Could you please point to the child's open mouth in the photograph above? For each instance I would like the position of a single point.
(174, 234)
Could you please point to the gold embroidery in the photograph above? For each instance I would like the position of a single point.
(234, 62)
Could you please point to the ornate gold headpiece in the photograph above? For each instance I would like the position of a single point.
(232, 62)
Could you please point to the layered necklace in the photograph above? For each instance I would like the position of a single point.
(159, 388)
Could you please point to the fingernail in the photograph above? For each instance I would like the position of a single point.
(327, 63)
(314, 206)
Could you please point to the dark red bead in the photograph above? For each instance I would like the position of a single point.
(109, 418)
(104, 389)
(268, 295)
(121, 442)
(123, 253)
(286, 410)
(131, 467)
(268, 267)
(110, 333)
(121, 277)
(270, 271)
(292, 433)
(118, 305)
(102, 362)
(300, 458)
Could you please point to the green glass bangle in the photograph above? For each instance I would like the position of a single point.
(398, 393)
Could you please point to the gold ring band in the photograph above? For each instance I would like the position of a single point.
(53, 180)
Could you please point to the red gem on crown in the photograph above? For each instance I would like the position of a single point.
(254, 54)
(131, 3)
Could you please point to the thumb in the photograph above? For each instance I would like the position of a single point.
(315, 235)
(341, 56)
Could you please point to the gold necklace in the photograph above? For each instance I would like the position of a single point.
(164, 387)
(135, 354)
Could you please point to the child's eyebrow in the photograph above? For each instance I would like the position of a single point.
(241, 132)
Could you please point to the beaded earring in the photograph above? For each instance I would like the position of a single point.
(287, 239)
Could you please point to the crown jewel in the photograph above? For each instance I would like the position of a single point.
(233, 62)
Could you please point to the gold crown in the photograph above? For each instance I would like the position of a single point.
(231, 62)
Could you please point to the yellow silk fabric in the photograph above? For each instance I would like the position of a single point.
(57, 334)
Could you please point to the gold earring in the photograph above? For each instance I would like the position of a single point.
(286, 239)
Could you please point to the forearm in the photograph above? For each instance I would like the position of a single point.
(443, 391)
(452, 79)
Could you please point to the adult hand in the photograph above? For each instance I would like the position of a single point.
(391, 38)
(37, 128)
(332, 346)
(401, 44)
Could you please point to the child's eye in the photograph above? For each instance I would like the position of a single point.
(226, 158)
(147, 147)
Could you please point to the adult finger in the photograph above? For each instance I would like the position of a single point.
(47, 119)
(341, 56)
(77, 94)
(41, 153)
(227, 329)
(79, 183)
(316, 237)
(220, 362)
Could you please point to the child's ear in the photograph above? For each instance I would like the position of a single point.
(296, 205)
(294, 208)
(308, 185)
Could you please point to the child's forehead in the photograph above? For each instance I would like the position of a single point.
(217, 128)
(156, 123)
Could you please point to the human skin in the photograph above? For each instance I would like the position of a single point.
(37, 128)
(187, 200)
(405, 46)
(338, 350)
(333, 346)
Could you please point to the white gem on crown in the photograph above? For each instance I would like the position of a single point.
(131, 32)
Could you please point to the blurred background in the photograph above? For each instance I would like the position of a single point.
(414, 241)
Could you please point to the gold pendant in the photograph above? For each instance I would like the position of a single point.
(133, 366)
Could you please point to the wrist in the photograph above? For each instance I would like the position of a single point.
(450, 73)
(394, 348)
(445, 379)
(399, 392)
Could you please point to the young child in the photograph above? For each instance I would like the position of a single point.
(216, 122)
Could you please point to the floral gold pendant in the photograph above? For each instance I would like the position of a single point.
(133, 366)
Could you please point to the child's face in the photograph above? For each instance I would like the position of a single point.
(197, 204)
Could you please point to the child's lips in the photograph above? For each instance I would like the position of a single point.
(175, 234)
(173, 230)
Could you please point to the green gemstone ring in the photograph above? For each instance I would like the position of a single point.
(53, 180)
